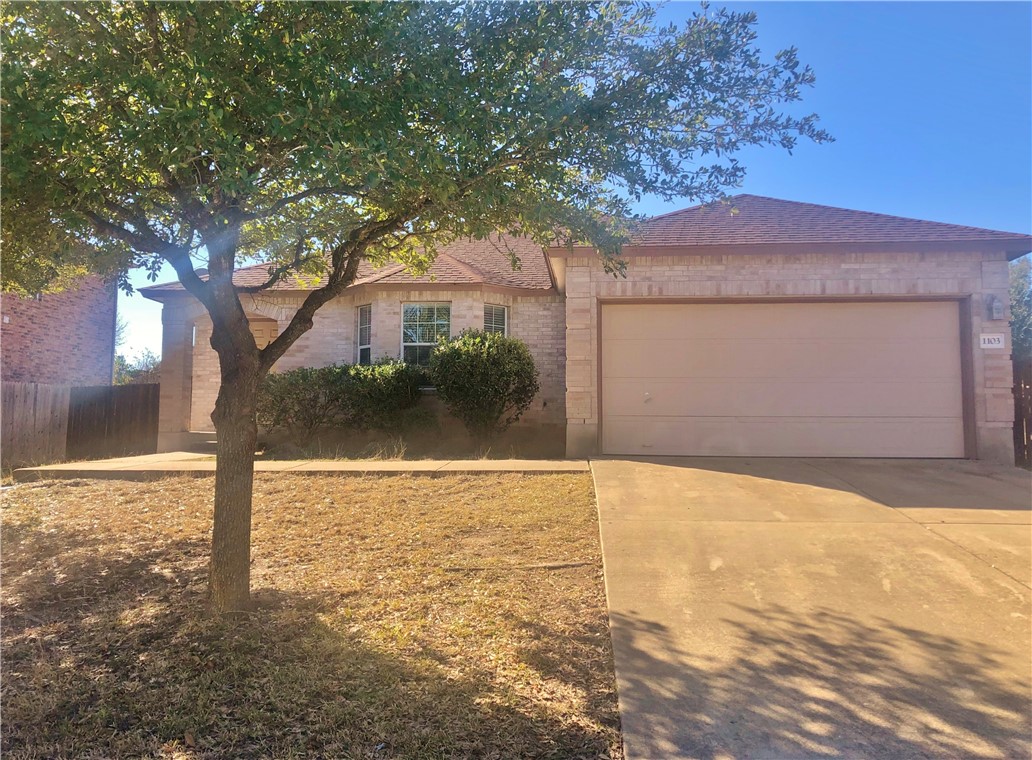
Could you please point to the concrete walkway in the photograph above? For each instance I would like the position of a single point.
(819, 608)
(152, 466)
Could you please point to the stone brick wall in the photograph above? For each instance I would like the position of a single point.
(972, 276)
(194, 374)
(65, 338)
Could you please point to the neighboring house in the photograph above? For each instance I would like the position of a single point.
(65, 338)
(761, 328)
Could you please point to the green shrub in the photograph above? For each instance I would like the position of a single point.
(485, 379)
(301, 401)
(381, 396)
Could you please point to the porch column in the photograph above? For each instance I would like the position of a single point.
(176, 370)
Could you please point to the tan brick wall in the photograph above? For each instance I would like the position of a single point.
(176, 367)
(205, 374)
(205, 377)
(540, 323)
(65, 338)
(536, 321)
(964, 275)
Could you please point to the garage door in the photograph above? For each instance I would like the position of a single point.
(789, 379)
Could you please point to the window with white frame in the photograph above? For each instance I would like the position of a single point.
(421, 325)
(496, 319)
(365, 334)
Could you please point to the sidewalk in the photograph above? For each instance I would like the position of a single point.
(153, 466)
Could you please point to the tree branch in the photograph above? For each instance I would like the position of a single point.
(146, 242)
(298, 197)
(301, 322)
(177, 256)
(346, 256)
(194, 210)
(281, 271)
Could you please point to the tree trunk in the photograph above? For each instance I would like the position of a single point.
(242, 367)
(236, 429)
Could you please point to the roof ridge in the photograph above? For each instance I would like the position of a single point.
(386, 271)
(470, 270)
(687, 208)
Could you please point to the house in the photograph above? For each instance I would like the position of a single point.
(65, 338)
(760, 327)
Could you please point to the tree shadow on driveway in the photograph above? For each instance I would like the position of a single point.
(817, 684)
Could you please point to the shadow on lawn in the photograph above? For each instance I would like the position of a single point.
(109, 653)
(819, 685)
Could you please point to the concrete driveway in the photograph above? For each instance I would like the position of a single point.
(775, 608)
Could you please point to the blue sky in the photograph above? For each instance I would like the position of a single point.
(930, 104)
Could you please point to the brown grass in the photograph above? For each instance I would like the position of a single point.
(391, 623)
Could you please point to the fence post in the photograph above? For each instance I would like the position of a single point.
(1023, 413)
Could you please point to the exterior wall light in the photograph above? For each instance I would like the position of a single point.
(993, 308)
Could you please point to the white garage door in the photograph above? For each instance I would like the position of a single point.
(795, 379)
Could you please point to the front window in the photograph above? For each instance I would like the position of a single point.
(365, 334)
(421, 325)
(496, 319)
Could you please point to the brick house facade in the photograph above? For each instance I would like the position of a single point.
(879, 353)
(971, 276)
(65, 338)
(466, 277)
(535, 320)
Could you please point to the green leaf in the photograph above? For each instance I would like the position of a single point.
(552, 117)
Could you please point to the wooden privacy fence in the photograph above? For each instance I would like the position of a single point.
(1023, 413)
(49, 423)
(112, 421)
(34, 423)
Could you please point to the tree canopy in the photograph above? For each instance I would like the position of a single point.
(137, 131)
(312, 136)
(1021, 308)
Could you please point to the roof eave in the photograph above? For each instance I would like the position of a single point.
(1013, 248)
(161, 295)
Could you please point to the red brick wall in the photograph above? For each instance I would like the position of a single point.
(65, 338)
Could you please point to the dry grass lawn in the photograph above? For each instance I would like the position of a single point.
(398, 617)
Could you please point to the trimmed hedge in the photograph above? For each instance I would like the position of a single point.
(487, 381)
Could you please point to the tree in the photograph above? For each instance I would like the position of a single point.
(487, 380)
(145, 368)
(312, 136)
(1021, 308)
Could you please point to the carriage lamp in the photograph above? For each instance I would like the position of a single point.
(993, 308)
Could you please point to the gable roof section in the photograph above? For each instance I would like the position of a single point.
(461, 263)
(742, 224)
(755, 219)
(747, 222)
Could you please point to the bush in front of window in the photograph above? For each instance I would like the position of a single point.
(383, 396)
(485, 379)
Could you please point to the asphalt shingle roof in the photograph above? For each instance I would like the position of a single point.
(464, 262)
(742, 220)
(755, 220)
